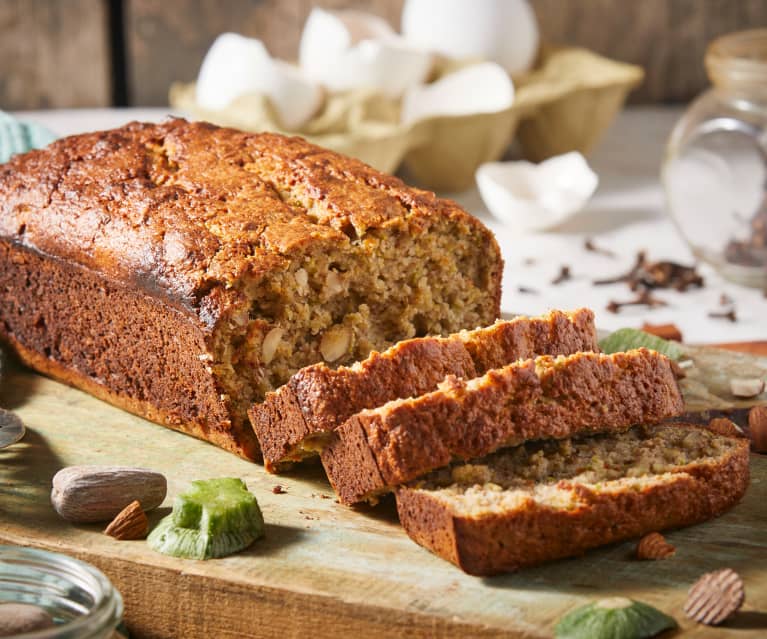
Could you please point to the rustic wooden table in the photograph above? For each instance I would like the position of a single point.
(324, 570)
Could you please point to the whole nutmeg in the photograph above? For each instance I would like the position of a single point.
(19, 618)
(86, 494)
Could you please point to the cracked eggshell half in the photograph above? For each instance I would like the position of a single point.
(480, 88)
(534, 197)
(345, 50)
(236, 66)
(504, 31)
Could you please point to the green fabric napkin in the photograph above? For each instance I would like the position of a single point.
(20, 137)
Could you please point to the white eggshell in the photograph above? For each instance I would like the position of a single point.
(345, 50)
(531, 197)
(236, 65)
(504, 31)
(480, 88)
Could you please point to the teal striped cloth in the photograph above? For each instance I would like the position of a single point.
(20, 137)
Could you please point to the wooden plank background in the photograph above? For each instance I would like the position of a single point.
(54, 54)
(69, 54)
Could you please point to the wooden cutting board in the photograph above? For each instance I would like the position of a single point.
(324, 570)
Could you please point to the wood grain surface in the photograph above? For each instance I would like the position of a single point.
(324, 570)
(54, 54)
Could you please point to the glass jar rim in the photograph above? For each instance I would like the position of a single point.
(107, 608)
(738, 58)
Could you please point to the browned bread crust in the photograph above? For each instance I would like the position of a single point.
(547, 397)
(294, 421)
(490, 542)
(149, 264)
(117, 343)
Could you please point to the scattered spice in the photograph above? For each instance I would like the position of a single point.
(278, 489)
(729, 314)
(757, 428)
(663, 274)
(564, 275)
(716, 596)
(526, 290)
(664, 331)
(654, 546)
(725, 300)
(529, 261)
(589, 245)
(645, 298)
(752, 251)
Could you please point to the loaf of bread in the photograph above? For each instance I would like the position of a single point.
(553, 499)
(546, 397)
(181, 271)
(294, 422)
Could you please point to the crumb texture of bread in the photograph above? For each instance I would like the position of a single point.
(279, 254)
(545, 397)
(548, 500)
(294, 421)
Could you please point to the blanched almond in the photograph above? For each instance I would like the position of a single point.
(334, 284)
(302, 280)
(746, 387)
(270, 344)
(335, 343)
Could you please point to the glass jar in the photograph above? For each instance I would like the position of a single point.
(79, 598)
(715, 169)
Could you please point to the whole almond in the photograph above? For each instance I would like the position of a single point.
(83, 494)
(654, 546)
(130, 523)
(757, 428)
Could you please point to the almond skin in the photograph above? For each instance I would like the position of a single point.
(654, 546)
(757, 428)
(130, 523)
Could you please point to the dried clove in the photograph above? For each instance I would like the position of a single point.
(589, 245)
(662, 274)
(629, 276)
(645, 298)
(564, 275)
(277, 489)
(526, 290)
(730, 315)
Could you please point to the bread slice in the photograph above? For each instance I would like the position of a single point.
(553, 499)
(546, 397)
(294, 422)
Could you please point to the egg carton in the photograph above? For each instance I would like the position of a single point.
(565, 103)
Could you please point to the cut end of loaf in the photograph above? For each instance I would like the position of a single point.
(336, 305)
